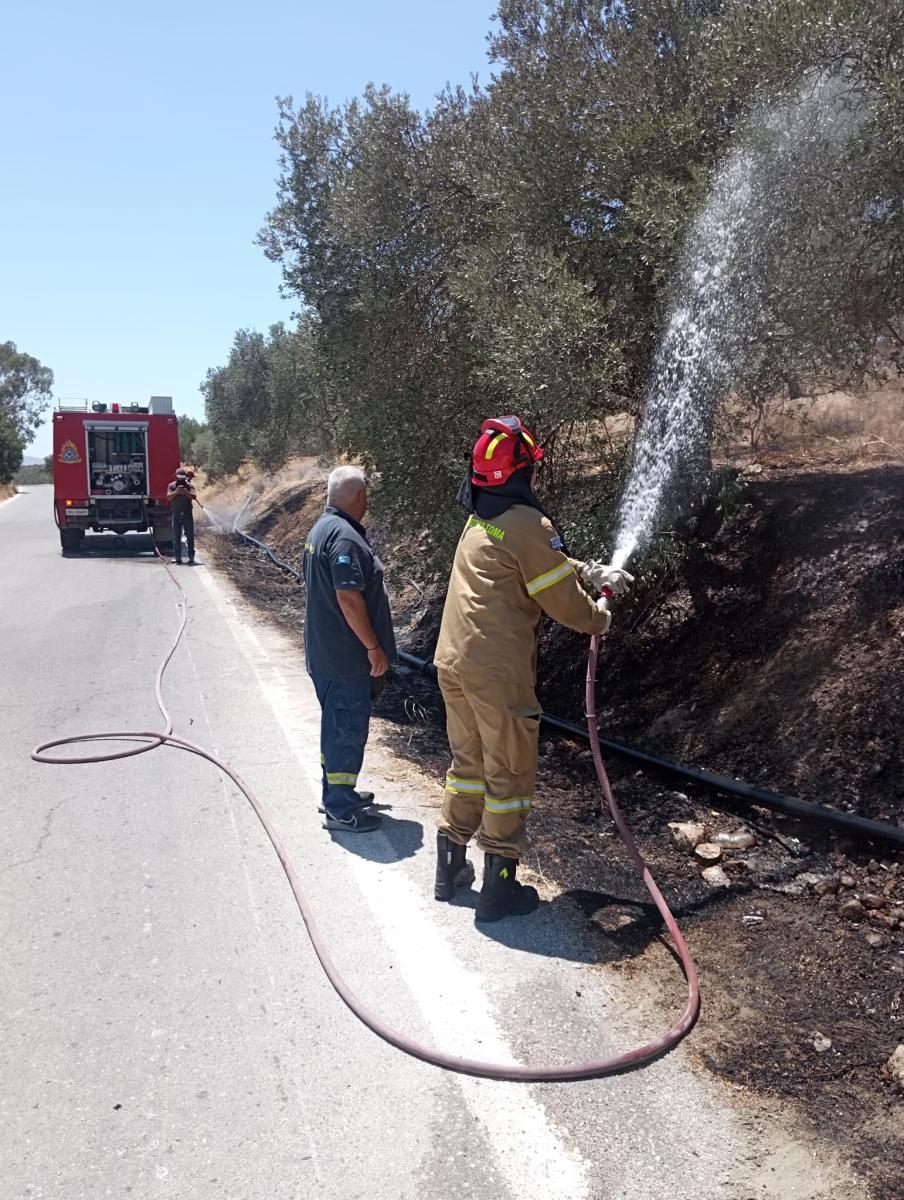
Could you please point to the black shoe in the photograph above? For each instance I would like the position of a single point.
(502, 895)
(178, 561)
(356, 822)
(452, 868)
(364, 800)
(191, 562)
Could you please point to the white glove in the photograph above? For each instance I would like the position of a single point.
(602, 576)
(602, 606)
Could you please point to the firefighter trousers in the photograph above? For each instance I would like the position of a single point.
(494, 729)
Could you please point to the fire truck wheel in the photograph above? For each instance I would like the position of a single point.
(72, 540)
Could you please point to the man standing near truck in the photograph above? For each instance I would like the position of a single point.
(181, 496)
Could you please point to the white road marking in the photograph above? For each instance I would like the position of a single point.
(229, 802)
(530, 1153)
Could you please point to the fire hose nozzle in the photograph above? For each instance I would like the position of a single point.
(606, 597)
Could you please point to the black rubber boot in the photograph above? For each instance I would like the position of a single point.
(452, 868)
(502, 895)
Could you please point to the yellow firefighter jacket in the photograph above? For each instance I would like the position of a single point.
(506, 573)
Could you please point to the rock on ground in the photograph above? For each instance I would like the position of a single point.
(895, 1066)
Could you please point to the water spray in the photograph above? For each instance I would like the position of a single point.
(732, 262)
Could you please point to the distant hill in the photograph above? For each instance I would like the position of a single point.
(29, 460)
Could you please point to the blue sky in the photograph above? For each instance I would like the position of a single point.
(138, 164)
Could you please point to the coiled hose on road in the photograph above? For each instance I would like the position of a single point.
(590, 1068)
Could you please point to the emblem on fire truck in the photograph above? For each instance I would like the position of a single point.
(69, 453)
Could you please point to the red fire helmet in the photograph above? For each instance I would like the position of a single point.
(504, 447)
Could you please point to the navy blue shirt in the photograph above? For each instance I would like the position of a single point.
(338, 557)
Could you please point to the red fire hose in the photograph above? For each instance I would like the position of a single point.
(151, 740)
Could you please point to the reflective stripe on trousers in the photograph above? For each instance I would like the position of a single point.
(344, 725)
(494, 728)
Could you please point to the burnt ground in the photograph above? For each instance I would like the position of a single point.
(775, 656)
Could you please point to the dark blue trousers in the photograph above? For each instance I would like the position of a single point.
(183, 521)
(344, 726)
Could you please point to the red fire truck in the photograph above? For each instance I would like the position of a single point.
(111, 469)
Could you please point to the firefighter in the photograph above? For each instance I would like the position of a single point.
(182, 496)
(510, 567)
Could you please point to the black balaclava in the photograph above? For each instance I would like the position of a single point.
(488, 503)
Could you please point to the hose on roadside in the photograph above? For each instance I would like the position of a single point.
(587, 1069)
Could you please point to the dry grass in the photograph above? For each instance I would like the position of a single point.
(249, 494)
(7, 490)
(838, 427)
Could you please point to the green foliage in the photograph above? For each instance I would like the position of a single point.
(25, 392)
(32, 473)
(189, 431)
(514, 248)
(35, 473)
(11, 447)
(265, 404)
(25, 389)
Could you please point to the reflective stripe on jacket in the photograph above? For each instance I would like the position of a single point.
(505, 575)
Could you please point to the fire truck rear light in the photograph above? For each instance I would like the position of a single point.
(114, 408)
(69, 503)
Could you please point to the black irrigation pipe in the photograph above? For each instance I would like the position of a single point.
(791, 806)
(284, 566)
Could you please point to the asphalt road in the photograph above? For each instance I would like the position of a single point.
(165, 1030)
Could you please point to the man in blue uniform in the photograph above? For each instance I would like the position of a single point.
(349, 643)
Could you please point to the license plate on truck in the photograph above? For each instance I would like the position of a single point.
(77, 512)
